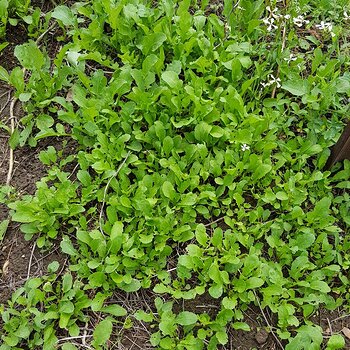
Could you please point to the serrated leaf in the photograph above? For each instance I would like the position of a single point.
(65, 15)
(67, 246)
(30, 56)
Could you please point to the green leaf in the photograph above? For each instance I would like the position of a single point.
(320, 286)
(65, 15)
(261, 171)
(4, 75)
(254, 282)
(130, 287)
(297, 87)
(30, 56)
(222, 337)
(3, 228)
(23, 331)
(172, 79)
(14, 139)
(115, 310)
(305, 239)
(186, 318)
(117, 230)
(282, 196)
(66, 307)
(336, 341)
(141, 315)
(202, 131)
(97, 279)
(168, 190)
(216, 291)
(201, 234)
(241, 326)
(67, 282)
(67, 246)
(102, 332)
(308, 337)
(244, 136)
(53, 266)
(152, 42)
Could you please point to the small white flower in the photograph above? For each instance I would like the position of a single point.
(346, 16)
(245, 147)
(272, 80)
(270, 24)
(326, 26)
(300, 21)
(290, 58)
(287, 16)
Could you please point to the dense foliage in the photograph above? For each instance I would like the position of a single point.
(201, 133)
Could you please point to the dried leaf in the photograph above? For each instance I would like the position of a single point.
(346, 332)
(5, 268)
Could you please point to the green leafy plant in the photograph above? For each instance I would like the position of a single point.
(200, 145)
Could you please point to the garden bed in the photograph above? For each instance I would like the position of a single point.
(167, 185)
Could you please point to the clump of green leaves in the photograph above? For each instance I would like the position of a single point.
(191, 150)
(9, 9)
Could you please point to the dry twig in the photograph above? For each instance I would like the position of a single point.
(12, 118)
(267, 322)
(30, 261)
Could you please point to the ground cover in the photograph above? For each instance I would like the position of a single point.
(162, 171)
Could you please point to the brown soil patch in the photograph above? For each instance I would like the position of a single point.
(17, 256)
(333, 322)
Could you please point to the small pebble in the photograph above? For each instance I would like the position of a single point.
(261, 336)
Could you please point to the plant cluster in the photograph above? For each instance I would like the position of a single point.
(201, 140)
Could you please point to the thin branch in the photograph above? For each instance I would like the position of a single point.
(12, 117)
(41, 36)
(6, 103)
(330, 326)
(71, 338)
(30, 260)
(267, 322)
(340, 317)
(215, 221)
